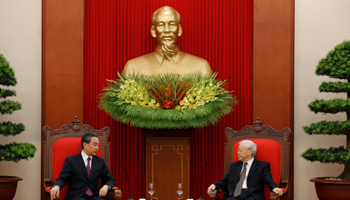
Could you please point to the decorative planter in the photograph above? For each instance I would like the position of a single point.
(331, 189)
(8, 186)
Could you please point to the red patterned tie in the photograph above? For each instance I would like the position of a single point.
(88, 192)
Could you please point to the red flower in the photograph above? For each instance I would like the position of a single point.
(166, 91)
(155, 96)
(166, 104)
(167, 94)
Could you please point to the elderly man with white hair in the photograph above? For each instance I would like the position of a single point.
(246, 177)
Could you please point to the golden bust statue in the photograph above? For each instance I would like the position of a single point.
(167, 58)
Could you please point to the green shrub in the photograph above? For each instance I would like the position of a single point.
(336, 64)
(16, 151)
(13, 151)
(9, 128)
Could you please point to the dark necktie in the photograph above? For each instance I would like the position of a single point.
(88, 192)
(239, 185)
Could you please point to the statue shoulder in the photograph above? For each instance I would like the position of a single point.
(194, 58)
(143, 58)
(197, 63)
(134, 65)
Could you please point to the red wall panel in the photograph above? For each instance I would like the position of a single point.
(218, 31)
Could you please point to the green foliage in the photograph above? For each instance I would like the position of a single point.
(9, 128)
(328, 128)
(7, 107)
(337, 62)
(7, 74)
(144, 117)
(135, 100)
(13, 151)
(331, 155)
(16, 151)
(334, 87)
(7, 93)
(330, 106)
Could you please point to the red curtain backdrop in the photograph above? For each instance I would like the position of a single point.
(218, 31)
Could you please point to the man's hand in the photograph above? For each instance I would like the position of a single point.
(278, 191)
(55, 192)
(103, 191)
(212, 187)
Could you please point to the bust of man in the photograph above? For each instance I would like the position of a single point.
(167, 58)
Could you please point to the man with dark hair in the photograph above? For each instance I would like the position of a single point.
(83, 171)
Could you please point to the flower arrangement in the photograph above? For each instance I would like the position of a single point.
(167, 101)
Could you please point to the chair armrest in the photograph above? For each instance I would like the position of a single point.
(117, 193)
(284, 187)
(47, 186)
(47, 190)
(212, 195)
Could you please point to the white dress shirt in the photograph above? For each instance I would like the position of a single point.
(85, 157)
(250, 162)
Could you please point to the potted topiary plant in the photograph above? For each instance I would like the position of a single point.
(335, 65)
(13, 151)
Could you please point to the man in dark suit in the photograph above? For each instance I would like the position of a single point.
(83, 172)
(246, 177)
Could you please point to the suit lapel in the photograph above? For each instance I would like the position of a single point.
(94, 166)
(81, 165)
(253, 168)
(238, 170)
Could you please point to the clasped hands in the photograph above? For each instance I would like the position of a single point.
(276, 190)
(55, 192)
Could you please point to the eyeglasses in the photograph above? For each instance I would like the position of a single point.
(240, 150)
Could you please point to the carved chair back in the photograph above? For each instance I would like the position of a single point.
(272, 146)
(64, 142)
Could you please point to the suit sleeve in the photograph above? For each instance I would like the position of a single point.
(223, 183)
(106, 177)
(266, 175)
(64, 175)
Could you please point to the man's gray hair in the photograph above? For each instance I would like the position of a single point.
(155, 14)
(248, 144)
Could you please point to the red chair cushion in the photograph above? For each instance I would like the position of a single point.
(61, 149)
(267, 150)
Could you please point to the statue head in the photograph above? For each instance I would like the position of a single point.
(166, 27)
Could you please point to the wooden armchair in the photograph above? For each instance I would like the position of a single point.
(66, 141)
(273, 146)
